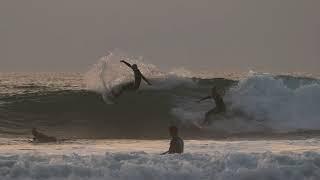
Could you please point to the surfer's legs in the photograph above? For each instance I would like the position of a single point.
(116, 93)
(212, 112)
(119, 90)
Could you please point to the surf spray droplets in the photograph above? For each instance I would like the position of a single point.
(109, 72)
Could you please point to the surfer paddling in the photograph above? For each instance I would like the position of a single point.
(220, 105)
(42, 138)
(176, 144)
(133, 86)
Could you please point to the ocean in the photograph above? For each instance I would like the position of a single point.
(270, 131)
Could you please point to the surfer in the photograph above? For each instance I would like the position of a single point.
(176, 144)
(220, 105)
(42, 138)
(133, 86)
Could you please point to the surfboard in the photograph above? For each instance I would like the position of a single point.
(32, 141)
(108, 98)
(197, 124)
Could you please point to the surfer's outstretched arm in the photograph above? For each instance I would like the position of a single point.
(126, 63)
(202, 99)
(146, 80)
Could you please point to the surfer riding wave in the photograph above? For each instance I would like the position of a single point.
(131, 86)
(220, 105)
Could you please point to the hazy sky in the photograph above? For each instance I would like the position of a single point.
(229, 35)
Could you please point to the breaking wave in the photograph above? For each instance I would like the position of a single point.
(256, 103)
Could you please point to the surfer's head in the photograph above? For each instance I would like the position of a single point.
(34, 131)
(173, 130)
(214, 91)
(134, 66)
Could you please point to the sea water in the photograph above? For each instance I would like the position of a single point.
(271, 129)
(140, 159)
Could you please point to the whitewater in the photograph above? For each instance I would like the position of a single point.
(140, 159)
(271, 129)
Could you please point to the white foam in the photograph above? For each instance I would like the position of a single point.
(140, 159)
(278, 107)
(143, 166)
(259, 102)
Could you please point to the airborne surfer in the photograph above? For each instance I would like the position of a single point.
(220, 105)
(133, 86)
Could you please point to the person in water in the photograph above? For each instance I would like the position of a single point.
(133, 86)
(42, 138)
(220, 105)
(176, 144)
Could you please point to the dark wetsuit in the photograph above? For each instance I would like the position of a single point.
(137, 79)
(220, 108)
(176, 145)
(133, 86)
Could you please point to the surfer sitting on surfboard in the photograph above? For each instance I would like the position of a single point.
(220, 105)
(132, 85)
(42, 138)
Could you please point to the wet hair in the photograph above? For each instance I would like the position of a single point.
(134, 66)
(214, 89)
(173, 129)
